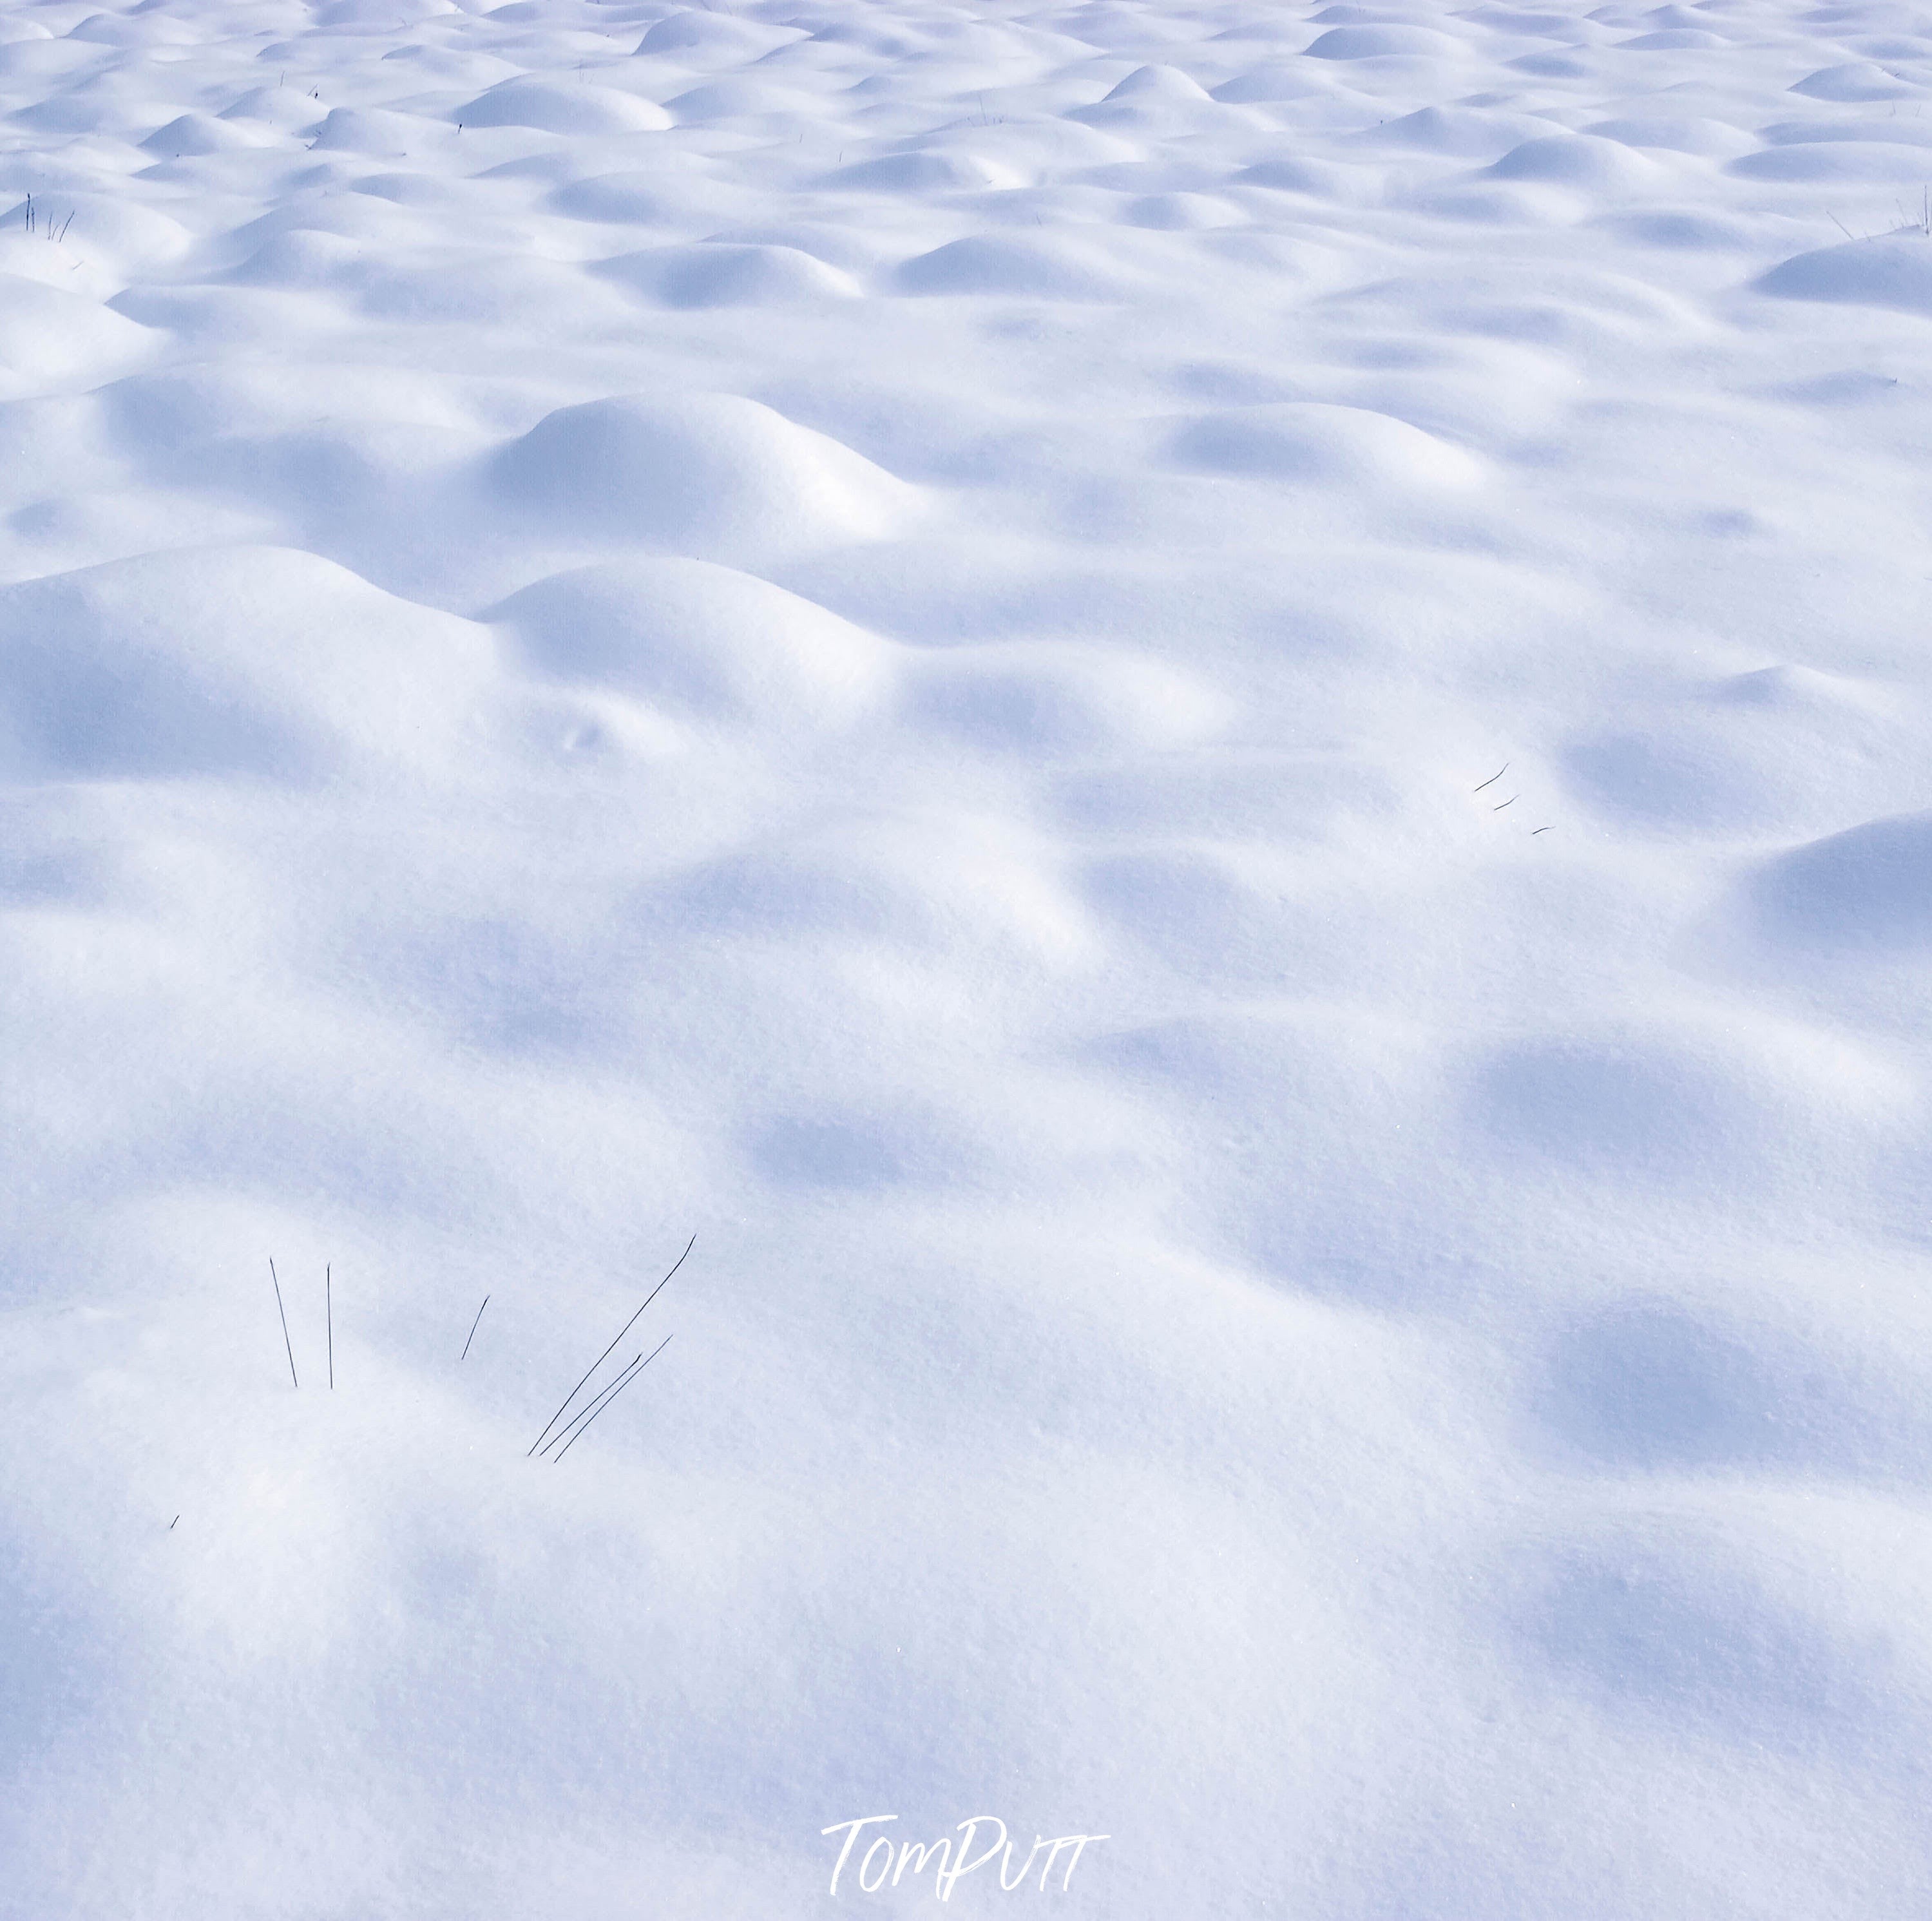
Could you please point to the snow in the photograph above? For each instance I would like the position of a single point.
(1204, 725)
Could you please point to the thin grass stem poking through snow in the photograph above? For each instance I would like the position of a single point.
(562, 1434)
(613, 1395)
(473, 1326)
(283, 1312)
(606, 1354)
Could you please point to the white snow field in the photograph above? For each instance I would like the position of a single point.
(1205, 724)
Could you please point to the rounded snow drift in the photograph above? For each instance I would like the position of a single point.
(551, 108)
(715, 643)
(1312, 442)
(1892, 270)
(712, 474)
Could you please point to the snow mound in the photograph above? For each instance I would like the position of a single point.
(1852, 82)
(375, 131)
(629, 199)
(1316, 443)
(47, 335)
(554, 107)
(703, 39)
(1894, 270)
(1460, 132)
(1578, 161)
(1006, 265)
(380, 17)
(1382, 43)
(703, 640)
(1316, 179)
(922, 171)
(118, 233)
(1850, 162)
(1158, 82)
(194, 134)
(264, 662)
(1673, 135)
(1870, 887)
(1265, 83)
(736, 99)
(712, 475)
(724, 274)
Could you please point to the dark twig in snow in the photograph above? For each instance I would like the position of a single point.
(613, 1395)
(1509, 802)
(473, 1325)
(1493, 779)
(606, 1354)
(283, 1312)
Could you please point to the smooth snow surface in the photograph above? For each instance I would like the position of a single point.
(882, 631)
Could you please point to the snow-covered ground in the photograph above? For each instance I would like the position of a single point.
(883, 632)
